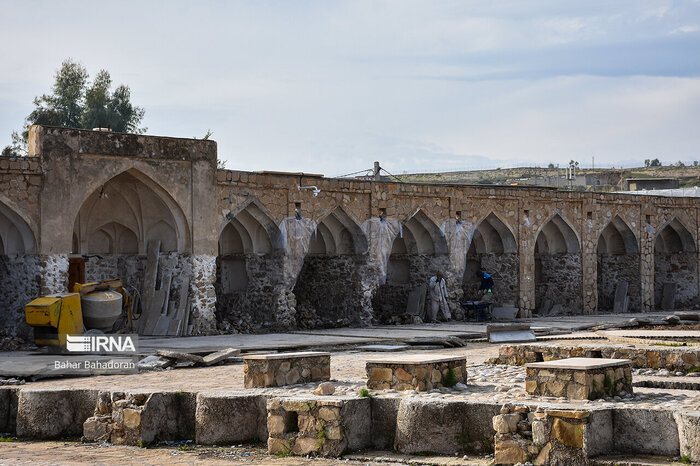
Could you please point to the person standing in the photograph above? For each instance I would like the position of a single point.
(438, 298)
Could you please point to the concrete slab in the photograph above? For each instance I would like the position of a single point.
(580, 363)
(512, 336)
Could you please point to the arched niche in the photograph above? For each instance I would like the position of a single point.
(15, 235)
(493, 249)
(125, 214)
(248, 266)
(327, 292)
(675, 267)
(618, 266)
(558, 268)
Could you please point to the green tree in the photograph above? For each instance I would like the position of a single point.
(655, 163)
(647, 162)
(76, 103)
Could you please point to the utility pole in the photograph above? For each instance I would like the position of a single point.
(377, 176)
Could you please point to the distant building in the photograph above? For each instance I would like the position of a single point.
(648, 184)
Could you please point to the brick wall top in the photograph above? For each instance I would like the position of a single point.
(54, 140)
(20, 165)
(533, 193)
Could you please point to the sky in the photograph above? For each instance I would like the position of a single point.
(331, 86)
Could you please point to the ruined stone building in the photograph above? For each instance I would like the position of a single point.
(258, 253)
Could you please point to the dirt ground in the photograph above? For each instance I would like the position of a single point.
(347, 366)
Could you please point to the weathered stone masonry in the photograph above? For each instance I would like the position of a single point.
(261, 254)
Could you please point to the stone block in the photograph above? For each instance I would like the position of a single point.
(44, 414)
(223, 418)
(384, 412)
(440, 426)
(506, 423)
(141, 417)
(8, 409)
(579, 378)
(413, 372)
(689, 434)
(647, 431)
(279, 369)
(326, 426)
(509, 451)
(567, 433)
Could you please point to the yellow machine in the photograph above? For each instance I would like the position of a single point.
(55, 316)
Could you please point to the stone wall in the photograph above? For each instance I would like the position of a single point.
(250, 304)
(67, 167)
(682, 269)
(673, 359)
(419, 376)
(613, 268)
(390, 300)
(558, 286)
(328, 291)
(504, 271)
(20, 283)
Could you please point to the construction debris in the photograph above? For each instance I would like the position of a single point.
(220, 356)
(181, 356)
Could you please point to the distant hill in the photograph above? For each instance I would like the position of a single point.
(609, 179)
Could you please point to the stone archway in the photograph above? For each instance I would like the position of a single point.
(20, 276)
(248, 267)
(328, 290)
(558, 268)
(419, 250)
(618, 262)
(493, 249)
(675, 267)
(117, 221)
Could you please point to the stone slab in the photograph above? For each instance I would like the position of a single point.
(410, 359)
(180, 356)
(274, 356)
(505, 313)
(580, 364)
(44, 414)
(512, 336)
(219, 356)
(384, 348)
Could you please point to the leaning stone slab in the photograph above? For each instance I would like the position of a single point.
(415, 372)
(150, 363)
(647, 431)
(138, 418)
(223, 418)
(579, 378)
(180, 356)
(325, 426)
(279, 369)
(44, 414)
(215, 358)
(689, 434)
(445, 426)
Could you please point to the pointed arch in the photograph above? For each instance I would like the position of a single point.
(129, 205)
(493, 235)
(338, 233)
(617, 238)
(557, 236)
(249, 229)
(422, 235)
(674, 237)
(15, 235)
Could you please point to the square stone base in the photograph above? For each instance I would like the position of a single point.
(276, 370)
(580, 378)
(415, 372)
